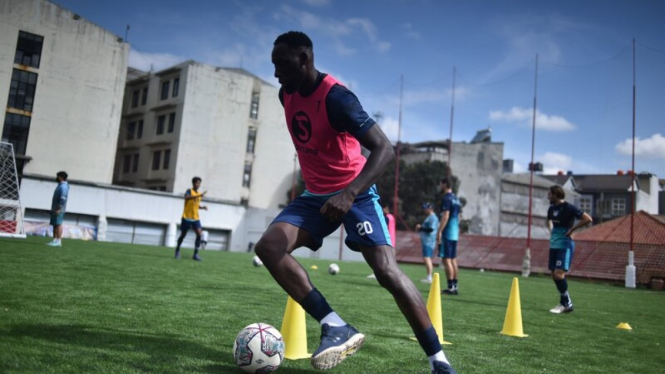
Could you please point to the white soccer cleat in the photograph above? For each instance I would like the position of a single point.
(429, 281)
(54, 244)
(560, 309)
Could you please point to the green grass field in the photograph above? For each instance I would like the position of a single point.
(93, 307)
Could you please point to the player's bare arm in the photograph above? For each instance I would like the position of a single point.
(584, 220)
(381, 155)
(442, 225)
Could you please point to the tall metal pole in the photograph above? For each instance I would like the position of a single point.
(630, 269)
(399, 138)
(452, 116)
(526, 264)
(533, 147)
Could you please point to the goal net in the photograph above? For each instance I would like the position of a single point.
(11, 214)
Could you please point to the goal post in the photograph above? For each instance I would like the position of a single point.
(11, 212)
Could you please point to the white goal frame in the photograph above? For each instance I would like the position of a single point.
(10, 201)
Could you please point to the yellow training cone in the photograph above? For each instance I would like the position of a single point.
(624, 326)
(512, 325)
(294, 331)
(434, 308)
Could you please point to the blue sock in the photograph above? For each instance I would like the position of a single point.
(454, 283)
(450, 284)
(429, 341)
(316, 305)
(197, 242)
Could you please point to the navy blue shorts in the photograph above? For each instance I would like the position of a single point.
(561, 258)
(364, 223)
(186, 225)
(448, 248)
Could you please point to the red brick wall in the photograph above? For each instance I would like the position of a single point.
(594, 260)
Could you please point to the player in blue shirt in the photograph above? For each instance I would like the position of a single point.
(448, 234)
(561, 222)
(428, 238)
(58, 207)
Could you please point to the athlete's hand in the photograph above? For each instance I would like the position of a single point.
(337, 206)
(418, 226)
(203, 193)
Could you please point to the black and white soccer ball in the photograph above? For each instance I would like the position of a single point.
(333, 269)
(258, 349)
(256, 261)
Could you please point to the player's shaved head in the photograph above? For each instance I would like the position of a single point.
(295, 39)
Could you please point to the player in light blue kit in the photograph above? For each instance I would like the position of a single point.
(561, 222)
(448, 234)
(58, 207)
(428, 239)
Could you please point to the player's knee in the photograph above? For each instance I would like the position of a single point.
(388, 277)
(266, 247)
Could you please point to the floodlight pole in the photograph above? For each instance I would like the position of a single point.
(526, 263)
(399, 138)
(452, 116)
(630, 269)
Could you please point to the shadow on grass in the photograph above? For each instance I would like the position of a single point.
(163, 350)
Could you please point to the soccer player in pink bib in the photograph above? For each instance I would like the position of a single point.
(328, 125)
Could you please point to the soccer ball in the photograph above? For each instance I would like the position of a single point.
(333, 269)
(257, 261)
(258, 349)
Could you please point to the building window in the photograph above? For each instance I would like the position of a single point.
(126, 163)
(156, 159)
(131, 128)
(144, 96)
(254, 108)
(135, 99)
(139, 130)
(251, 140)
(135, 163)
(171, 122)
(246, 176)
(167, 159)
(22, 90)
(176, 87)
(586, 202)
(28, 49)
(618, 207)
(15, 131)
(165, 90)
(160, 124)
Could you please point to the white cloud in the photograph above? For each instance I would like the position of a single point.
(153, 61)
(555, 162)
(390, 127)
(653, 147)
(316, 3)
(338, 30)
(524, 117)
(410, 33)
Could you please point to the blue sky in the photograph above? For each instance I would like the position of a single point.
(584, 95)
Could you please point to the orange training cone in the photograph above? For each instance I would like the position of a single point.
(434, 308)
(294, 331)
(512, 325)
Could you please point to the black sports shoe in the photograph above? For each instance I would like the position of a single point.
(440, 367)
(336, 344)
(449, 291)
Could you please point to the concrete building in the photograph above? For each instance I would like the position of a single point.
(223, 125)
(608, 196)
(63, 78)
(514, 219)
(478, 165)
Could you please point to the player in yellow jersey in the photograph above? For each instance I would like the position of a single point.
(190, 217)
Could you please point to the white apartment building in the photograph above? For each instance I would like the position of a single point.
(223, 125)
(62, 79)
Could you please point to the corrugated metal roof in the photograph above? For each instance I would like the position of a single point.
(646, 230)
